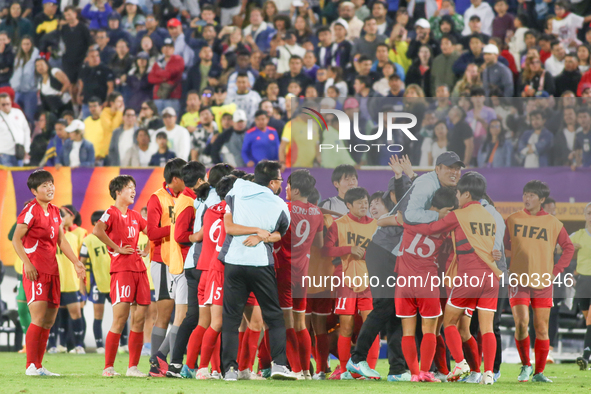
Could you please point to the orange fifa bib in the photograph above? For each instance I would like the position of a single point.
(167, 203)
(177, 262)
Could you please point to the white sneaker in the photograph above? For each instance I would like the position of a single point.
(135, 373)
(32, 371)
(440, 376)
(307, 375)
(110, 372)
(123, 349)
(244, 374)
(319, 376)
(44, 372)
(281, 372)
(474, 377)
(61, 349)
(488, 378)
(550, 358)
(100, 350)
(52, 350)
(460, 371)
(79, 350)
(203, 374)
(216, 375)
(255, 376)
(300, 375)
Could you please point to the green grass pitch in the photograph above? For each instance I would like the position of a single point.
(82, 374)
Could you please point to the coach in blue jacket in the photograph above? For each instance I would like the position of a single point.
(76, 152)
(255, 218)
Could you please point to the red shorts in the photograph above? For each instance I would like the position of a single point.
(45, 288)
(129, 286)
(214, 288)
(407, 302)
(539, 298)
(469, 298)
(350, 303)
(287, 292)
(319, 306)
(201, 289)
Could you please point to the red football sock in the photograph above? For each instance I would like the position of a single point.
(305, 343)
(209, 341)
(264, 354)
(441, 356)
(322, 350)
(42, 346)
(470, 348)
(489, 347)
(293, 354)
(215, 358)
(253, 344)
(194, 346)
(241, 335)
(135, 343)
(374, 353)
(428, 346)
(542, 347)
(111, 346)
(454, 343)
(480, 346)
(32, 340)
(409, 349)
(523, 349)
(344, 347)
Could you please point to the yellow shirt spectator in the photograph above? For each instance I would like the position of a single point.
(110, 120)
(93, 132)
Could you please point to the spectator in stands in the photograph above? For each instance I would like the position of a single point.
(479, 117)
(149, 118)
(23, 77)
(396, 85)
(258, 34)
(470, 80)
(197, 75)
(123, 138)
(115, 31)
(295, 73)
(131, 16)
(442, 68)
(379, 10)
(354, 24)
(268, 74)
(190, 119)
(16, 26)
(461, 138)
(327, 48)
(97, 13)
(92, 124)
(584, 57)
(106, 51)
(566, 24)
(555, 63)
(243, 65)
(496, 151)
(475, 30)
(138, 89)
(364, 94)
(424, 37)
(55, 145)
(344, 49)
(14, 130)
(163, 154)
(303, 31)
(227, 147)
(473, 55)
(381, 60)
(245, 98)
(166, 76)
(141, 152)
(181, 48)
(46, 21)
(569, 78)
(583, 138)
(96, 80)
(420, 71)
(287, 47)
(535, 145)
(261, 142)
(154, 31)
(276, 124)
(563, 149)
(178, 137)
(496, 75)
(434, 146)
(503, 22)
(6, 59)
(367, 44)
(535, 79)
(486, 14)
(447, 13)
(77, 151)
(120, 64)
(202, 136)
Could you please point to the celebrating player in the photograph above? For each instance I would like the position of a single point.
(582, 244)
(35, 240)
(532, 235)
(119, 229)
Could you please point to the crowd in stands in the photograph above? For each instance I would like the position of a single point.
(137, 82)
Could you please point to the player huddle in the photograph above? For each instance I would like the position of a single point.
(228, 255)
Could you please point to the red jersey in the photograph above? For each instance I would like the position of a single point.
(294, 248)
(214, 235)
(124, 230)
(418, 253)
(40, 241)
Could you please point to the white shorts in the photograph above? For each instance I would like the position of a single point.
(162, 280)
(228, 13)
(180, 290)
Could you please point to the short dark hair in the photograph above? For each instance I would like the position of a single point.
(192, 172)
(548, 201)
(342, 170)
(363, 58)
(118, 183)
(474, 18)
(217, 172)
(260, 112)
(94, 99)
(364, 79)
(295, 57)
(208, 7)
(193, 91)
(38, 178)
(322, 29)
(554, 43)
(474, 185)
(583, 110)
(242, 74)
(266, 171)
(537, 187)
(379, 195)
(450, 38)
(96, 216)
(314, 196)
(445, 197)
(477, 91)
(173, 169)
(238, 173)
(303, 181)
(536, 112)
(225, 185)
(355, 194)
(205, 108)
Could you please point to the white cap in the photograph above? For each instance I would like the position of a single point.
(328, 103)
(169, 111)
(239, 115)
(423, 23)
(343, 22)
(491, 48)
(76, 125)
(136, 2)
